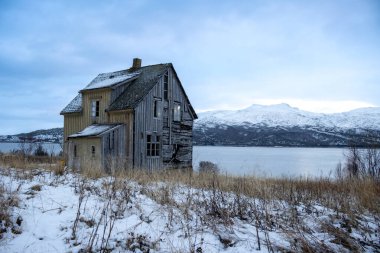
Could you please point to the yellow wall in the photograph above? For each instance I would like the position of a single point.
(76, 122)
(104, 97)
(72, 123)
(85, 159)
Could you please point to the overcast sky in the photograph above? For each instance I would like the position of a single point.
(322, 56)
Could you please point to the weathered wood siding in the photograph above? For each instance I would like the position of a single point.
(84, 159)
(125, 117)
(178, 152)
(104, 97)
(76, 122)
(72, 123)
(113, 149)
(146, 123)
(176, 137)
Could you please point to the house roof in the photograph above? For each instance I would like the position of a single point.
(135, 92)
(140, 81)
(111, 79)
(74, 106)
(95, 130)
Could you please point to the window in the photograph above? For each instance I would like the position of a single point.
(177, 112)
(93, 151)
(75, 150)
(166, 86)
(156, 108)
(95, 108)
(152, 145)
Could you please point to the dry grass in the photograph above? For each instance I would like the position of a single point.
(93, 173)
(222, 198)
(8, 200)
(344, 195)
(31, 162)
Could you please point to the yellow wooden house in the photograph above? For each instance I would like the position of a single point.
(139, 117)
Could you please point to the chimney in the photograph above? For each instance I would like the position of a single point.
(136, 63)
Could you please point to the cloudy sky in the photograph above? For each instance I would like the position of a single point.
(321, 56)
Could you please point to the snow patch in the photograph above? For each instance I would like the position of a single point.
(107, 80)
(95, 129)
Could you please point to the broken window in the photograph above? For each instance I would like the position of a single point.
(156, 108)
(95, 108)
(152, 145)
(177, 112)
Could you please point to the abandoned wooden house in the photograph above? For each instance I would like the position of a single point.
(140, 117)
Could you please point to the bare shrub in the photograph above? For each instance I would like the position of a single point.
(139, 243)
(92, 170)
(208, 167)
(58, 169)
(8, 200)
(40, 151)
(363, 162)
(26, 145)
(36, 187)
(115, 195)
(80, 188)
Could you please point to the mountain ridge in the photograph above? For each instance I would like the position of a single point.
(285, 115)
(283, 125)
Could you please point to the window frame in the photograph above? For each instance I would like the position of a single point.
(153, 145)
(177, 112)
(95, 108)
(157, 108)
(166, 86)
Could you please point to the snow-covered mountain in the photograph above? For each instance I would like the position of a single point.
(287, 116)
(285, 125)
(53, 135)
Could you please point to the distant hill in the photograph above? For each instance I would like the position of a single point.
(283, 125)
(54, 135)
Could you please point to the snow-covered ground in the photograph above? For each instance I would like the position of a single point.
(69, 213)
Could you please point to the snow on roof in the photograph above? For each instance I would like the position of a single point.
(74, 106)
(95, 130)
(109, 79)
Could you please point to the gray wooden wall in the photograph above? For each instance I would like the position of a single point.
(176, 137)
(114, 156)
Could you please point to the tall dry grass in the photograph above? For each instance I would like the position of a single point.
(339, 194)
(268, 203)
(342, 194)
(28, 162)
